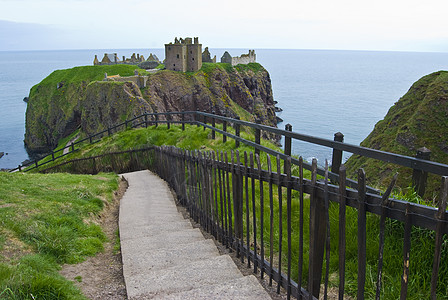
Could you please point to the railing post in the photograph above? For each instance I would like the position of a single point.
(20, 168)
(52, 155)
(146, 120)
(317, 236)
(237, 132)
(196, 117)
(288, 143)
(108, 131)
(125, 125)
(204, 120)
(336, 159)
(90, 139)
(183, 122)
(224, 128)
(36, 163)
(419, 177)
(257, 136)
(168, 121)
(157, 120)
(213, 125)
(237, 197)
(73, 147)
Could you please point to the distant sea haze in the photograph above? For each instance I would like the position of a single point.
(321, 92)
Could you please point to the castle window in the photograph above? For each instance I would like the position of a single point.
(193, 58)
(178, 56)
(174, 65)
(191, 52)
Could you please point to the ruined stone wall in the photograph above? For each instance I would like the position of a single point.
(194, 57)
(244, 59)
(175, 57)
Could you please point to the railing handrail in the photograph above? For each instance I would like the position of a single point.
(402, 160)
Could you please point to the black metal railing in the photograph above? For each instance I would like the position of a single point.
(226, 196)
(421, 166)
(239, 202)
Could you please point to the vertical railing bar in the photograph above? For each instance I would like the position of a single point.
(220, 171)
(262, 267)
(361, 233)
(342, 238)
(254, 213)
(246, 184)
(440, 215)
(280, 233)
(287, 166)
(327, 240)
(229, 204)
(215, 183)
(300, 263)
(240, 206)
(271, 221)
(235, 200)
(384, 205)
(224, 175)
(406, 252)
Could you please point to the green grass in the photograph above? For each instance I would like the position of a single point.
(422, 244)
(47, 221)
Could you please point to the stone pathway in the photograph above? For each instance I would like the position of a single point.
(164, 257)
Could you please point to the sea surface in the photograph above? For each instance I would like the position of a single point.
(321, 92)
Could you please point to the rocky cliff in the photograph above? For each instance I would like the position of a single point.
(78, 97)
(418, 119)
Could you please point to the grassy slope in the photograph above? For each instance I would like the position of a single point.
(418, 119)
(46, 221)
(422, 240)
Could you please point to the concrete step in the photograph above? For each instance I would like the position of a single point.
(190, 276)
(162, 240)
(246, 288)
(159, 259)
(135, 232)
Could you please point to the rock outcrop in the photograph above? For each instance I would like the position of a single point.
(92, 104)
(419, 119)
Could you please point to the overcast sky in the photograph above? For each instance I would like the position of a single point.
(403, 25)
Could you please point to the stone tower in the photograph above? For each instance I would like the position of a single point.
(183, 55)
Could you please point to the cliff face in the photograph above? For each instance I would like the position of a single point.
(418, 119)
(66, 99)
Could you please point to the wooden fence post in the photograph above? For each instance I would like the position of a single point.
(419, 177)
(336, 159)
(237, 132)
(157, 120)
(317, 236)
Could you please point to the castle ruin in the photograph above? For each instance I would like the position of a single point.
(112, 59)
(243, 59)
(183, 55)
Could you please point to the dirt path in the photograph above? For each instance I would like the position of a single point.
(101, 276)
(67, 149)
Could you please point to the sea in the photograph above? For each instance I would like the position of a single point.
(321, 92)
